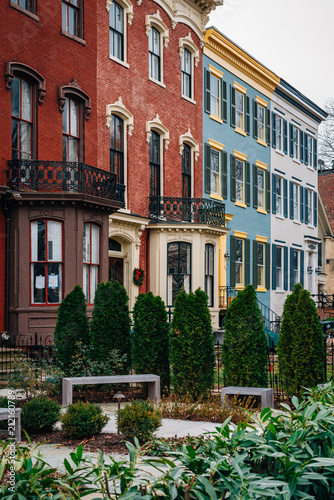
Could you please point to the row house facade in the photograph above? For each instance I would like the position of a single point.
(101, 154)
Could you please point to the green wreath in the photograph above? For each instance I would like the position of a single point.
(138, 276)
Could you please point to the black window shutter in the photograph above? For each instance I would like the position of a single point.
(286, 269)
(255, 186)
(247, 103)
(315, 154)
(291, 139)
(247, 261)
(224, 103)
(291, 268)
(319, 254)
(273, 191)
(255, 263)
(267, 275)
(301, 145)
(285, 197)
(232, 106)
(274, 266)
(285, 137)
(301, 196)
(267, 174)
(273, 128)
(268, 126)
(306, 205)
(224, 174)
(233, 189)
(207, 93)
(291, 200)
(207, 168)
(302, 267)
(232, 261)
(255, 119)
(315, 209)
(248, 183)
(305, 148)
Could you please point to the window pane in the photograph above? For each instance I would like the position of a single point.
(172, 258)
(25, 140)
(26, 101)
(38, 283)
(54, 283)
(85, 281)
(15, 96)
(74, 118)
(72, 21)
(93, 282)
(72, 149)
(66, 116)
(95, 245)
(86, 243)
(118, 18)
(184, 258)
(15, 138)
(39, 250)
(54, 241)
(64, 16)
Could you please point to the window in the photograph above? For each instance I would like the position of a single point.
(155, 164)
(239, 262)
(186, 74)
(29, 5)
(215, 94)
(296, 202)
(309, 206)
(215, 170)
(71, 17)
(239, 110)
(178, 269)
(214, 182)
(116, 31)
(209, 273)
(22, 119)
(310, 150)
(260, 189)
(260, 265)
(239, 180)
(91, 260)
(279, 268)
(294, 142)
(295, 267)
(71, 131)
(117, 148)
(154, 54)
(186, 171)
(261, 123)
(46, 248)
(279, 133)
(279, 196)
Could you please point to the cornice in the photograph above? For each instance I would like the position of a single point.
(225, 49)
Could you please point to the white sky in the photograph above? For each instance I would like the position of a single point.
(293, 38)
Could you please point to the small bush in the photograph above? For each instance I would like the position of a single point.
(83, 420)
(3, 404)
(138, 419)
(40, 415)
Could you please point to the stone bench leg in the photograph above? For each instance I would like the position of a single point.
(267, 399)
(67, 392)
(154, 391)
(18, 426)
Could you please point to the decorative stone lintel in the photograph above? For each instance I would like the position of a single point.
(119, 109)
(128, 8)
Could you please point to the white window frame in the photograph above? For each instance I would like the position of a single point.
(128, 14)
(90, 265)
(310, 196)
(296, 270)
(188, 43)
(296, 208)
(279, 133)
(240, 263)
(279, 197)
(240, 113)
(261, 203)
(260, 267)
(310, 151)
(241, 183)
(295, 142)
(261, 124)
(155, 21)
(279, 268)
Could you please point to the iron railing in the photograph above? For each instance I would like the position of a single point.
(272, 321)
(120, 193)
(323, 301)
(64, 177)
(195, 210)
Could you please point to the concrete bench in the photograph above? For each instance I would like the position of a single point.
(267, 395)
(153, 382)
(14, 422)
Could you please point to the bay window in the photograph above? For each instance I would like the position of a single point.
(91, 260)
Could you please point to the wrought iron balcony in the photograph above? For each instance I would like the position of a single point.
(63, 177)
(195, 210)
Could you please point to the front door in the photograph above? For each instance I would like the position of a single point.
(116, 269)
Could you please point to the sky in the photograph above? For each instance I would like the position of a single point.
(293, 38)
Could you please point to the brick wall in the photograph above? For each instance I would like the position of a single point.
(326, 189)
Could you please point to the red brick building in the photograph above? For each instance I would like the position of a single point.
(101, 152)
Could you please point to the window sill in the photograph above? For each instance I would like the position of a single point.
(261, 289)
(240, 204)
(216, 118)
(216, 197)
(188, 99)
(310, 168)
(262, 211)
(73, 37)
(280, 216)
(279, 290)
(24, 11)
(297, 222)
(311, 226)
(239, 287)
(263, 143)
(296, 161)
(119, 61)
(153, 80)
(279, 152)
(240, 131)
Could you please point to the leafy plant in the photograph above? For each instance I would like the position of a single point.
(83, 420)
(138, 420)
(72, 326)
(192, 345)
(3, 404)
(244, 350)
(40, 415)
(110, 325)
(150, 339)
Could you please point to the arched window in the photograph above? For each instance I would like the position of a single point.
(178, 269)
(117, 148)
(116, 31)
(186, 171)
(158, 35)
(22, 119)
(155, 164)
(71, 130)
(154, 54)
(187, 74)
(189, 54)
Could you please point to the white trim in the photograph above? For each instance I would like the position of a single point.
(188, 138)
(127, 7)
(118, 108)
(157, 125)
(156, 21)
(128, 12)
(187, 42)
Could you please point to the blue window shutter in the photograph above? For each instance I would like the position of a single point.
(233, 188)
(291, 199)
(301, 196)
(207, 93)
(224, 101)
(306, 205)
(291, 139)
(224, 174)
(247, 103)
(254, 186)
(273, 130)
(207, 168)
(315, 209)
(232, 106)
(255, 263)
(274, 265)
(315, 154)
(273, 191)
(232, 261)
(301, 145)
(285, 137)
(302, 267)
(291, 267)
(254, 119)
(248, 183)
(268, 126)
(285, 198)
(247, 261)
(286, 268)
(305, 149)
